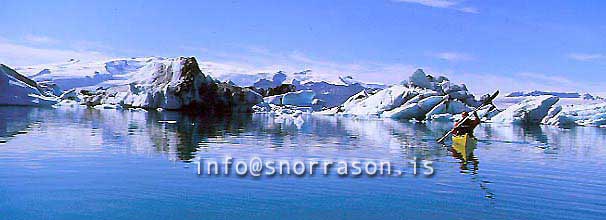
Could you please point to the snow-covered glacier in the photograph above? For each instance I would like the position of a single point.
(78, 74)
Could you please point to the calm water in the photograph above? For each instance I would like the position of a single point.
(108, 164)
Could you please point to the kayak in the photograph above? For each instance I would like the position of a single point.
(464, 145)
(487, 101)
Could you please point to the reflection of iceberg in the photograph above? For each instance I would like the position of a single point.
(319, 136)
(14, 120)
(542, 139)
(390, 136)
(112, 129)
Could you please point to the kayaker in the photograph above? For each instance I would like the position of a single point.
(466, 126)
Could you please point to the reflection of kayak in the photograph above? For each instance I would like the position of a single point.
(464, 145)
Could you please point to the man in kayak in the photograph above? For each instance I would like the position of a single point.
(467, 126)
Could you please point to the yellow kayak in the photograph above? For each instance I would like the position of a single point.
(464, 145)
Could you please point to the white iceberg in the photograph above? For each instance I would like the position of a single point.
(274, 99)
(419, 97)
(350, 81)
(416, 110)
(331, 93)
(70, 95)
(582, 115)
(452, 107)
(540, 93)
(353, 100)
(420, 79)
(529, 111)
(16, 89)
(384, 100)
(175, 84)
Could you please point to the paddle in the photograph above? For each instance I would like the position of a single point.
(492, 107)
(487, 101)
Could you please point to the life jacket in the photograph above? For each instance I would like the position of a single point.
(465, 128)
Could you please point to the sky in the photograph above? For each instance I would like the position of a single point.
(508, 45)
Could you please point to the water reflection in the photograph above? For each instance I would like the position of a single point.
(142, 132)
(532, 169)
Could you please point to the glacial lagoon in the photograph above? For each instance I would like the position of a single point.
(80, 163)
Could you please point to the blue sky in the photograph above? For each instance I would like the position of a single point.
(511, 45)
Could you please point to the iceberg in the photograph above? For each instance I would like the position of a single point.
(352, 101)
(172, 84)
(566, 98)
(49, 88)
(540, 93)
(529, 111)
(318, 104)
(416, 110)
(452, 107)
(384, 100)
(332, 94)
(350, 81)
(274, 99)
(419, 97)
(442, 117)
(179, 84)
(422, 80)
(275, 81)
(298, 98)
(16, 89)
(69, 95)
(582, 115)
